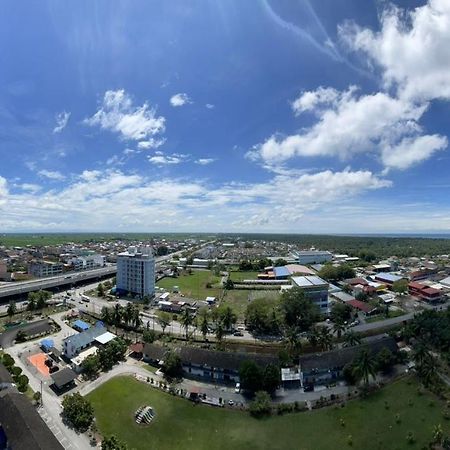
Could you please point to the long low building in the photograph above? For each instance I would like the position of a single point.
(208, 364)
(74, 344)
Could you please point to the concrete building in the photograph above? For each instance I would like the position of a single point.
(136, 271)
(41, 269)
(73, 345)
(313, 257)
(314, 289)
(4, 275)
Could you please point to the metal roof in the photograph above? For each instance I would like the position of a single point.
(281, 271)
(105, 338)
(309, 281)
(81, 325)
(86, 337)
(388, 277)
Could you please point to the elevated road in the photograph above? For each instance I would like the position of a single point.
(67, 279)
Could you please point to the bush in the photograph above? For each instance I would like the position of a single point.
(260, 406)
(8, 361)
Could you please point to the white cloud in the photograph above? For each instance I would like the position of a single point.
(150, 143)
(3, 190)
(310, 100)
(204, 161)
(411, 151)
(210, 106)
(180, 99)
(117, 113)
(91, 201)
(30, 187)
(412, 49)
(62, 119)
(52, 175)
(160, 159)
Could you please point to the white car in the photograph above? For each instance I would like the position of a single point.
(237, 388)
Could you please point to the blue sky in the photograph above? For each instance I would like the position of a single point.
(329, 116)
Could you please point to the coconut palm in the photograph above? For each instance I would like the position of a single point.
(325, 338)
(186, 320)
(219, 332)
(351, 339)
(164, 320)
(313, 336)
(204, 325)
(228, 318)
(364, 366)
(339, 327)
(293, 341)
(106, 316)
(117, 315)
(427, 370)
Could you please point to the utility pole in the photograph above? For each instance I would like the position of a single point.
(42, 398)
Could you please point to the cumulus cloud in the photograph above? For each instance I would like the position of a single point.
(51, 175)
(92, 198)
(118, 114)
(210, 106)
(411, 49)
(62, 119)
(310, 100)
(204, 161)
(180, 99)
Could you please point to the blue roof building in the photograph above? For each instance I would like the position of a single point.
(281, 272)
(80, 325)
(74, 344)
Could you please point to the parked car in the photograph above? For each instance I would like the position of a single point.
(237, 388)
(238, 333)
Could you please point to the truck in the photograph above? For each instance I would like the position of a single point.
(85, 298)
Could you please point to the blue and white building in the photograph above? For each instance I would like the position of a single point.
(315, 289)
(136, 271)
(313, 257)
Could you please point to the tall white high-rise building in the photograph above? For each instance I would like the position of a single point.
(136, 271)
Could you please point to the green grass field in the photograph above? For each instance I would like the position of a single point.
(193, 285)
(180, 425)
(239, 276)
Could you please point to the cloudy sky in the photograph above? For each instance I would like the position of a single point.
(267, 115)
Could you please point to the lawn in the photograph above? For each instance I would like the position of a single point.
(194, 285)
(238, 299)
(379, 317)
(239, 276)
(180, 425)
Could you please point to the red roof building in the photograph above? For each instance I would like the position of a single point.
(361, 306)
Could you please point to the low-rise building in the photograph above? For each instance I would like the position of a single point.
(73, 345)
(388, 278)
(424, 292)
(41, 269)
(313, 257)
(315, 289)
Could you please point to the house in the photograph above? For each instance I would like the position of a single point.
(424, 292)
(291, 377)
(73, 345)
(80, 325)
(64, 378)
(387, 278)
(326, 367)
(21, 427)
(362, 306)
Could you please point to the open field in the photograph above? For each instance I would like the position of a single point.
(180, 425)
(238, 299)
(239, 276)
(193, 285)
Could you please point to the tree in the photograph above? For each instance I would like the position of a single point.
(338, 328)
(280, 262)
(204, 325)
(136, 318)
(41, 299)
(91, 366)
(12, 309)
(106, 315)
(100, 290)
(340, 313)
(78, 411)
(186, 320)
(400, 286)
(37, 397)
(228, 317)
(149, 336)
(21, 336)
(293, 342)
(262, 316)
(325, 338)
(364, 366)
(31, 301)
(112, 443)
(261, 405)
(164, 320)
(351, 339)
(8, 361)
(251, 376)
(385, 360)
(172, 366)
(117, 315)
(271, 378)
(228, 285)
(298, 311)
(219, 332)
(22, 382)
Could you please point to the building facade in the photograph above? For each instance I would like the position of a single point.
(313, 257)
(315, 289)
(42, 269)
(136, 271)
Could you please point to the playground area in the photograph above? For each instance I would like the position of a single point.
(38, 361)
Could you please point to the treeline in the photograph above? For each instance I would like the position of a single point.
(368, 248)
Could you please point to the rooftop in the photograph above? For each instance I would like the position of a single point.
(309, 281)
(85, 337)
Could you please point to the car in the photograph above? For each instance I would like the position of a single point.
(238, 333)
(230, 402)
(237, 388)
(308, 388)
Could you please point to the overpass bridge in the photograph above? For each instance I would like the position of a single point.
(67, 279)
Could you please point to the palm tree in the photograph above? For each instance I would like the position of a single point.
(338, 328)
(128, 313)
(420, 354)
(427, 370)
(136, 320)
(219, 332)
(325, 339)
(186, 319)
(117, 315)
(204, 325)
(351, 339)
(364, 366)
(228, 318)
(11, 310)
(293, 341)
(106, 316)
(313, 336)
